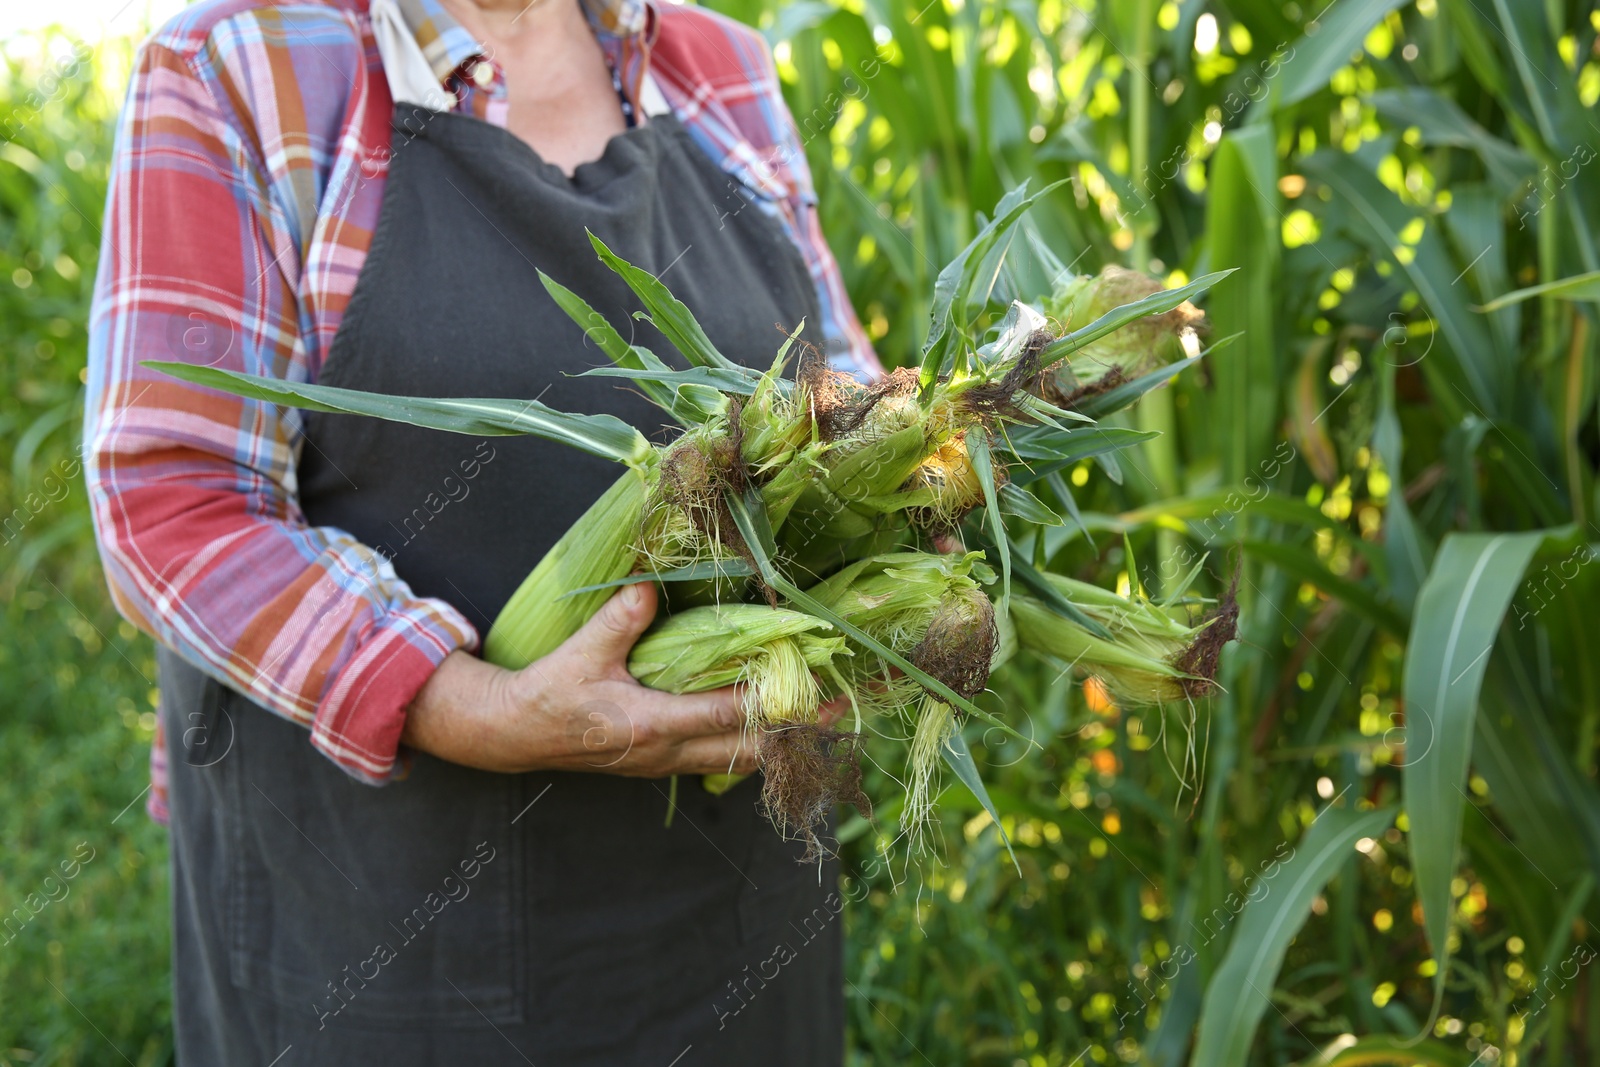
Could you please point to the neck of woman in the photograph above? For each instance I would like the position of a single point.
(520, 22)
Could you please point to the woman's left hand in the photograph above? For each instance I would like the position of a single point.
(578, 709)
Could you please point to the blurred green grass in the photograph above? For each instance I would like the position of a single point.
(83, 961)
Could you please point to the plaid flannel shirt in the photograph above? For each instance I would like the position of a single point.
(249, 168)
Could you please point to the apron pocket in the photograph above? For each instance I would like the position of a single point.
(362, 905)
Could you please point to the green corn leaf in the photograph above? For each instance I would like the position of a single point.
(691, 407)
(666, 312)
(1051, 597)
(1063, 492)
(1136, 584)
(1440, 121)
(595, 327)
(1044, 413)
(1561, 121)
(1539, 790)
(958, 757)
(751, 518)
(1118, 317)
(1340, 30)
(1304, 565)
(1115, 399)
(1475, 228)
(1213, 517)
(742, 381)
(1065, 446)
(1078, 142)
(1384, 1050)
(1407, 554)
(1577, 287)
(1378, 218)
(1168, 1045)
(1181, 587)
(704, 571)
(983, 466)
(1453, 629)
(954, 286)
(1104, 457)
(1469, 24)
(1238, 994)
(600, 435)
(1561, 932)
(1017, 501)
(1245, 229)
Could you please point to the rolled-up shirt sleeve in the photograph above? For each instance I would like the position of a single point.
(193, 491)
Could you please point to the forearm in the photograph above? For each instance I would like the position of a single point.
(459, 715)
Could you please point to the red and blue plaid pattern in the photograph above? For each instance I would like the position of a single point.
(249, 168)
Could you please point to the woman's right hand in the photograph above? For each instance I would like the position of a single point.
(578, 709)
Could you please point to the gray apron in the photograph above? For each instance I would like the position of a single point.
(457, 916)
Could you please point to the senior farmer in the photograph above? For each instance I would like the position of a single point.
(384, 850)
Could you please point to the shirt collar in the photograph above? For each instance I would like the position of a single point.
(447, 45)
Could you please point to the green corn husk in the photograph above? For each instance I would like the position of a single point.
(1153, 657)
(894, 597)
(893, 456)
(942, 488)
(635, 521)
(773, 651)
(773, 426)
(1135, 349)
(831, 503)
(899, 599)
(788, 481)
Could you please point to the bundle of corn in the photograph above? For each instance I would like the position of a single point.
(825, 476)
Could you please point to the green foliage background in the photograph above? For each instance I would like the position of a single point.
(76, 682)
(1390, 469)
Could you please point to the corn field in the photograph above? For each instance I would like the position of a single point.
(1378, 842)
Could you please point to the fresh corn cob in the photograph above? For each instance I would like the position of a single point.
(776, 654)
(773, 651)
(933, 610)
(1131, 351)
(899, 598)
(1153, 658)
(597, 549)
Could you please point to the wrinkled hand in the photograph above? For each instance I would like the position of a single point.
(578, 709)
